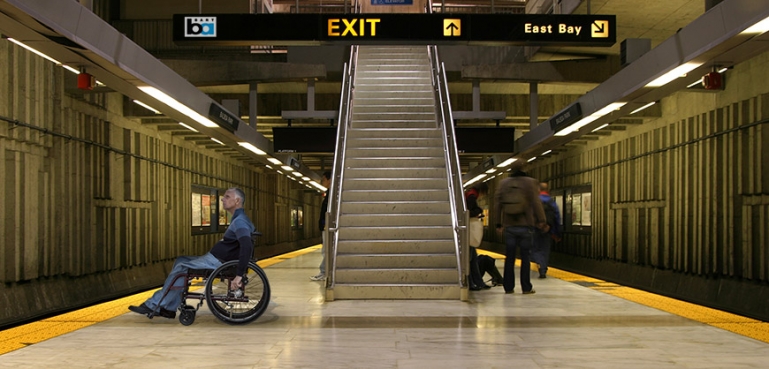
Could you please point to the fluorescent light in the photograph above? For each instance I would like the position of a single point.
(170, 101)
(324, 189)
(145, 106)
(532, 159)
(506, 162)
(274, 161)
(217, 141)
(71, 69)
(474, 179)
(695, 83)
(676, 72)
(297, 174)
(305, 178)
(287, 168)
(590, 118)
(601, 127)
(35, 51)
(278, 171)
(252, 148)
(724, 69)
(546, 152)
(188, 127)
(492, 170)
(643, 107)
(758, 28)
(268, 166)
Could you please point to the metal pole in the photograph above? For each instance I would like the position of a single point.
(252, 104)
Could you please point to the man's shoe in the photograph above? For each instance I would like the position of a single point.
(509, 292)
(529, 292)
(141, 309)
(542, 276)
(170, 314)
(319, 277)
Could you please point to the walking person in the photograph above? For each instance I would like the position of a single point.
(543, 240)
(325, 181)
(520, 213)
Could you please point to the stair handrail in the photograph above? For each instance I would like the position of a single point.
(459, 213)
(337, 176)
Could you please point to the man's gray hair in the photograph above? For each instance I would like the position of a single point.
(239, 194)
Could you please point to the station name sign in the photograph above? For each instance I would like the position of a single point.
(323, 29)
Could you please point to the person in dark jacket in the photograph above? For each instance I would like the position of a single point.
(325, 181)
(235, 245)
(519, 228)
(543, 241)
(472, 196)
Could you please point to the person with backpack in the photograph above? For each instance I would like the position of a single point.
(543, 240)
(520, 213)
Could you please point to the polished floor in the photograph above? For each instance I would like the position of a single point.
(571, 322)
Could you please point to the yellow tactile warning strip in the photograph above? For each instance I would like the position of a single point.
(741, 325)
(28, 334)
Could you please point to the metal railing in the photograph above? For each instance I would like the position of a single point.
(335, 192)
(459, 213)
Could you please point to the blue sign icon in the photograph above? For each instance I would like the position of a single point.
(199, 26)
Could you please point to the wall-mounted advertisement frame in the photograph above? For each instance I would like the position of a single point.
(576, 206)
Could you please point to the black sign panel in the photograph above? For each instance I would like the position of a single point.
(317, 29)
(485, 140)
(566, 117)
(223, 118)
(310, 139)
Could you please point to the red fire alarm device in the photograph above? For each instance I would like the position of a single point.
(85, 81)
(712, 81)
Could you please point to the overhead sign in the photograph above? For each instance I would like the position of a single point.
(319, 29)
(566, 117)
(223, 117)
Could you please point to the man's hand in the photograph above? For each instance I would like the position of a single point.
(235, 284)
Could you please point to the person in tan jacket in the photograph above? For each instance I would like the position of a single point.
(519, 212)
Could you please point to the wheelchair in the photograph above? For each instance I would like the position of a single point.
(239, 306)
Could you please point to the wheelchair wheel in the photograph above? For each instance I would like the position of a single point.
(241, 306)
(187, 316)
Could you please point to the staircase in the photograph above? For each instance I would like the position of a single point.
(396, 237)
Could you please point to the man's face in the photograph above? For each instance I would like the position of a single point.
(230, 201)
(325, 182)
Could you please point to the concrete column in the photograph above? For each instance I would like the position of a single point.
(252, 104)
(533, 105)
(311, 95)
(476, 95)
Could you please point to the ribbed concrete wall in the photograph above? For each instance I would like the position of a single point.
(680, 203)
(96, 205)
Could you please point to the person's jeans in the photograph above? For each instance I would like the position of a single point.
(516, 237)
(540, 254)
(182, 264)
(322, 266)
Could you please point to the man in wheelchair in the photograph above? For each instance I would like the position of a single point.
(235, 245)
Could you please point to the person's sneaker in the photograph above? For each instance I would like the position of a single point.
(542, 276)
(141, 309)
(319, 277)
(170, 314)
(529, 292)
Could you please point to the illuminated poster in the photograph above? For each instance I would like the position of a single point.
(196, 210)
(587, 204)
(576, 209)
(205, 210)
(559, 203)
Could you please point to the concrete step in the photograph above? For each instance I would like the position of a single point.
(396, 207)
(360, 152)
(396, 124)
(395, 195)
(378, 101)
(392, 87)
(394, 142)
(396, 173)
(404, 246)
(385, 78)
(396, 233)
(394, 109)
(379, 261)
(394, 184)
(420, 72)
(394, 220)
(392, 91)
(353, 291)
(397, 275)
(389, 162)
(381, 133)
